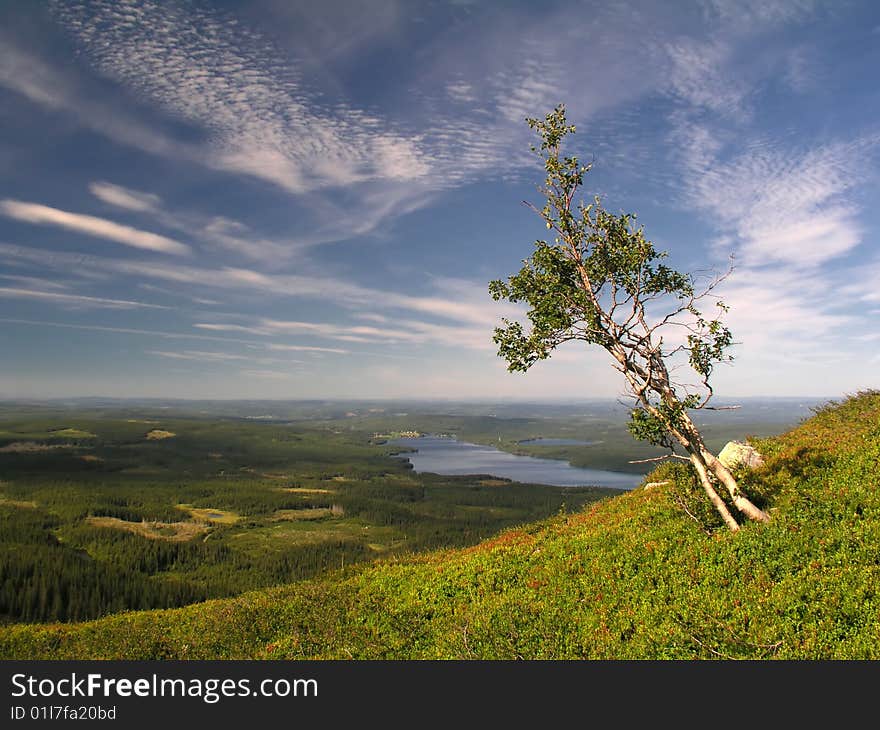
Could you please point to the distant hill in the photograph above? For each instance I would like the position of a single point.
(633, 576)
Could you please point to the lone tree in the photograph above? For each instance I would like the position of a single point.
(599, 281)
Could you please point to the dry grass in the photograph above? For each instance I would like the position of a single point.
(158, 434)
(17, 503)
(305, 490)
(75, 433)
(171, 531)
(26, 447)
(311, 513)
(210, 514)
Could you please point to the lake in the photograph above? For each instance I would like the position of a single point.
(442, 455)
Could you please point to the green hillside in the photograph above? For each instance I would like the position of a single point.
(633, 576)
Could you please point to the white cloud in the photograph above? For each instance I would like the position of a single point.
(461, 91)
(91, 226)
(759, 15)
(60, 298)
(809, 238)
(345, 333)
(264, 120)
(125, 197)
(35, 281)
(212, 230)
(59, 90)
(305, 348)
(122, 330)
(464, 307)
(198, 355)
(219, 357)
(777, 206)
(699, 76)
(269, 374)
(222, 327)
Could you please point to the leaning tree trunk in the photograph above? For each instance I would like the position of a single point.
(742, 503)
(714, 498)
(688, 435)
(698, 452)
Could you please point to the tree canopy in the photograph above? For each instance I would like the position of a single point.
(600, 281)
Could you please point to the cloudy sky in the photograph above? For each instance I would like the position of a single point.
(287, 199)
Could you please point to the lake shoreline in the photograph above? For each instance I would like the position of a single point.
(448, 456)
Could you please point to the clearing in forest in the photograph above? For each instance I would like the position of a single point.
(158, 434)
(171, 531)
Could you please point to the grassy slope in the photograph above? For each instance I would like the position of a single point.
(630, 577)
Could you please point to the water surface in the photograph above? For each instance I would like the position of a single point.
(448, 456)
(540, 441)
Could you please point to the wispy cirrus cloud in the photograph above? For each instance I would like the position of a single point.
(458, 313)
(262, 118)
(456, 300)
(788, 215)
(701, 77)
(777, 206)
(403, 332)
(305, 348)
(763, 14)
(126, 198)
(197, 336)
(59, 89)
(91, 226)
(216, 232)
(74, 299)
(33, 282)
(205, 356)
(198, 355)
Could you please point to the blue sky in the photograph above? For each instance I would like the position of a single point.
(281, 199)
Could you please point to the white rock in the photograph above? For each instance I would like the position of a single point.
(737, 454)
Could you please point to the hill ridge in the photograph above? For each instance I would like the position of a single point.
(632, 576)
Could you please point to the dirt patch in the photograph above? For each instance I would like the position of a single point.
(91, 458)
(171, 531)
(158, 434)
(269, 475)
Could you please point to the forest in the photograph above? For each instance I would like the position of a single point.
(101, 513)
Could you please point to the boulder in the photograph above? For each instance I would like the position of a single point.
(736, 454)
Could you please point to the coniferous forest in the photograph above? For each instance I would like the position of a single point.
(99, 515)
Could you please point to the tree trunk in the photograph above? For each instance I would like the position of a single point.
(714, 498)
(694, 445)
(742, 503)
